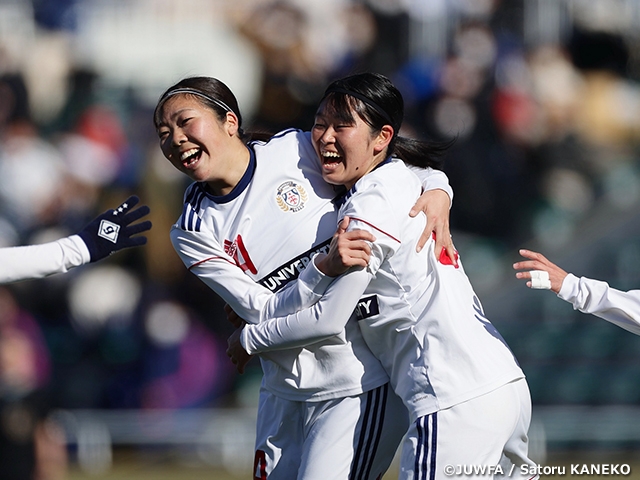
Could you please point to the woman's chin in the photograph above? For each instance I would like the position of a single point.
(332, 178)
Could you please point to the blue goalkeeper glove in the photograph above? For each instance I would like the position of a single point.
(112, 231)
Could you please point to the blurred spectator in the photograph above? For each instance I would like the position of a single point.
(277, 29)
(94, 155)
(55, 14)
(360, 35)
(14, 100)
(187, 365)
(32, 177)
(31, 445)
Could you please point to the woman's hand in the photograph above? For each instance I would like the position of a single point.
(347, 249)
(233, 317)
(236, 352)
(539, 263)
(435, 204)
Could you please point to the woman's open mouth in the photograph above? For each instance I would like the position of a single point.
(190, 157)
(330, 160)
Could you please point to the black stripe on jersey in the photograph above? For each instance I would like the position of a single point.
(370, 432)
(425, 461)
(186, 207)
(367, 307)
(342, 197)
(289, 271)
(201, 194)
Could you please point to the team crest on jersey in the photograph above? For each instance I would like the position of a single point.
(291, 197)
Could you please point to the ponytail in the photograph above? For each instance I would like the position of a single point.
(420, 153)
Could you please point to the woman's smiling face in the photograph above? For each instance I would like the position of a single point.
(192, 138)
(347, 150)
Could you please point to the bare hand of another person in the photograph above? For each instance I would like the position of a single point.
(540, 267)
(347, 249)
(233, 317)
(236, 352)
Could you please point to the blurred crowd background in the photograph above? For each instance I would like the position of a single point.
(542, 97)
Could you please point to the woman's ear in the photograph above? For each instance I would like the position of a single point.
(383, 139)
(232, 124)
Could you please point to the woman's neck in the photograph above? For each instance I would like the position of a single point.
(235, 165)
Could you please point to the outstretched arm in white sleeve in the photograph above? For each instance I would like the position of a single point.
(585, 294)
(38, 261)
(324, 319)
(598, 298)
(108, 233)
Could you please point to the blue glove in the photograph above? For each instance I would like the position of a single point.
(111, 232)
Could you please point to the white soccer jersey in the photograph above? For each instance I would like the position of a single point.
(420, 317)
(598, 298)
(248, 244)
(37, 261)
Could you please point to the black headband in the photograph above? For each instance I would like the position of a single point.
(193, 91)
(366, 100)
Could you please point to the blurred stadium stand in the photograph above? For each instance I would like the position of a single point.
(583, 372)
(542, 96)
(217, 438)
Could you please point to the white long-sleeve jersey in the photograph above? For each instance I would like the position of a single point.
(37, 261)
(252, 242)
(598, 298)
(419, 316)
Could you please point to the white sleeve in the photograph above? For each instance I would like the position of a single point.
(324, 319)
(38, 261)
(433, 180)
(252, 302)
(598, 298)
(330, 314)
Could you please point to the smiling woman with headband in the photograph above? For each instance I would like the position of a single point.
(220, 126)
(255, 216)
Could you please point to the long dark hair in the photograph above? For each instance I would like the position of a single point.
(378, 102)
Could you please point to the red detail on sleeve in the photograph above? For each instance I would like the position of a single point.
(240, 255)
(245, 255)
(373, 226)
(210, 258)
